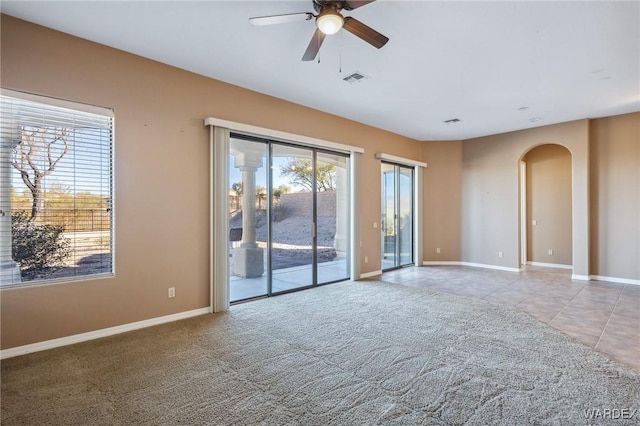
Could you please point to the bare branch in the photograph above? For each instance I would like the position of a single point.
(25, 178)
(62, 137)
(21, 167)
(33, 150)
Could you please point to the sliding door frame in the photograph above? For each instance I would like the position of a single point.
(418, 199)
(398, 237)
(314, 267)
(219, 205)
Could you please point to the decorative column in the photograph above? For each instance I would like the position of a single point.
(248, 205)
(248, 259)
(9, 270)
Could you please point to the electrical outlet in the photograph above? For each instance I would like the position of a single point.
(438, 250)
(499, 254)
(550, 252)
(172, 292)
(366, 259)
(375, 224)
(534, 222)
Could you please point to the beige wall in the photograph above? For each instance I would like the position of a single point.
(441, 200)
(161, 177)
(548, 194)
(162, 192)
(490, 193)
(615, 196)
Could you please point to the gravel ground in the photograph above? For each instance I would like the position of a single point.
(294, 231)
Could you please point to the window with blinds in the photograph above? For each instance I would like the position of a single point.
(56, 189)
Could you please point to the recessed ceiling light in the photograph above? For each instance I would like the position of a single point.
(523, 108)
(534, 119)
(453, 120)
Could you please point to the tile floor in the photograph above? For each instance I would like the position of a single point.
(604, 316)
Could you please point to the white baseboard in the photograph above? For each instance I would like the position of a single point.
(370, 274)
(615, 280)
(91, 335)
(441, 263)
(580, 277)
(499, 268)
(474, 265)
(550, 265)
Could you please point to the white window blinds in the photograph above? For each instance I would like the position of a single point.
(56, 189)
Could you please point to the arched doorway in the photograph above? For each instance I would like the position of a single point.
(546, 207)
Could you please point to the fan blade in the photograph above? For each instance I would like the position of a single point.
(350, 5)
(366, 33)
(314, 46)
(281, 19)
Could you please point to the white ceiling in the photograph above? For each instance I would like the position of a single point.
(476, 61)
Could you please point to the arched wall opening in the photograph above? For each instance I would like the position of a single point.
(490, 196)
(576, 141)
(546, 207)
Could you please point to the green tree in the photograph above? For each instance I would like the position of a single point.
(300, 173)
(261, 196)
(237, 187)
(282, 189)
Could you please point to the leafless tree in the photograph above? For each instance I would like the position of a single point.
(37, 156)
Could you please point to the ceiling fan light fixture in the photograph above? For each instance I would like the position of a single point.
(329, 21)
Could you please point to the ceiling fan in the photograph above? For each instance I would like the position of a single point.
(328, 21)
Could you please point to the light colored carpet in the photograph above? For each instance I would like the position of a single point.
(349, 353)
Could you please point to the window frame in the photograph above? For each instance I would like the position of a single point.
(79, 107)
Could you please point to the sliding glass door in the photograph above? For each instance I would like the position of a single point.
(388, 222)
(288, 220)
(397, 216)
(405, 216)
(248, 179)
(292, 221)
(332, 218)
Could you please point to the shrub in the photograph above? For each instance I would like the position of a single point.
(37, 246)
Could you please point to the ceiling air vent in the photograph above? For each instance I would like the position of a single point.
(355, 77)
